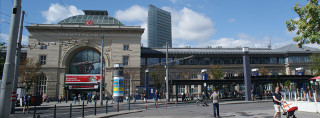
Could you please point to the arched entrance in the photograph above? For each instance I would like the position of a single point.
(83, 74)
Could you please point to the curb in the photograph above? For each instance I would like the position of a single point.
(103, 115)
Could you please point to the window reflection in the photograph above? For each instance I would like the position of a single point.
(85, 62)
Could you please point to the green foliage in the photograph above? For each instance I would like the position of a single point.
(283, 72)
(2, 60)
(287, 83)
(29, 72)
(307, 26)
(216, 72)
(315, 64)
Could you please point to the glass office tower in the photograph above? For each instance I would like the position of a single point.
(159, 27)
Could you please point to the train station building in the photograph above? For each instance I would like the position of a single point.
(70, 56)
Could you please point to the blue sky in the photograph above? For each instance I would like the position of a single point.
(196, 23)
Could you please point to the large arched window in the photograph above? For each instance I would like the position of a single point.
(41, 85)
(85, 62)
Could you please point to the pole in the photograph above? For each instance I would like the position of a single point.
(8, 68)
(129, 92)
(107, 105)
(54, 113)
(82, 109)
(17, 62)
(167, 74)
(101, 71)
(34, 111)
(70, 110)
(95, 108)
(247, 74)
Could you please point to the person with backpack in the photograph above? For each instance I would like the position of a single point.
(26, 101)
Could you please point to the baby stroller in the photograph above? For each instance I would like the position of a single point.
(201, 102)
(290, 111)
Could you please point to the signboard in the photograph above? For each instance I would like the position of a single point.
(82, 78)
(118, 86)
(88, 22)
(83, 87)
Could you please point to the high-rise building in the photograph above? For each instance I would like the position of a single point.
(159, 27)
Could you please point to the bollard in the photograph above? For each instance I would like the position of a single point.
(107, 106)
(95, 108)
(34, 111)
(82, 109)
(54, 113)
(175, 104)
(129, 103)
(70, 110)
(146, 104)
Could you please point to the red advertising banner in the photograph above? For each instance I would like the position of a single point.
(88, 22)
(82, 78)
(84, 87)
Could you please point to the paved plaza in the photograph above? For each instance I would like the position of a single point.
(228, 109)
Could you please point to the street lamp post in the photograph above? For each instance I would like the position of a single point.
(247, 73)
(147, 83)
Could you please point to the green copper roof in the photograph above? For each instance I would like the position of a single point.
(97, 18)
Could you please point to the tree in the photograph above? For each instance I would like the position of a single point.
(131, 76)
(263, 71)
(157, 75)
(315, 63)
(185, 75)
(307, 26)
(216, 72)
(2, 60)
(29, 72)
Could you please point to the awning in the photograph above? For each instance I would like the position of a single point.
(315, 78)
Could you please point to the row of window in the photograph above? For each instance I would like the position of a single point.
(192, 89)
(208, 61)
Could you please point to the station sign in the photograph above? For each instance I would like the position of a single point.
(82, 78)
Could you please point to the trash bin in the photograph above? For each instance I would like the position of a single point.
(35, 100)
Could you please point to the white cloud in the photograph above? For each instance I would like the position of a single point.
(241, 40)
(134, 13)
(190, 25)
(231, 20)
(5, 38)
(187, 25)
(57, 12)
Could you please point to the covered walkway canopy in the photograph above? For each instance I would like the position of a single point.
(240, 80)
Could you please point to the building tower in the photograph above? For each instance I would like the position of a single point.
(159, 27)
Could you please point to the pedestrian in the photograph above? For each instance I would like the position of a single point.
(215, 103)
(44, 97)
(265, 94)
(79, 98)
(252, 95)
(277, 99)
(183, 96)
(155, 98)
(74, 98)
(26, 101)
(59, 98)
(89, 97)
